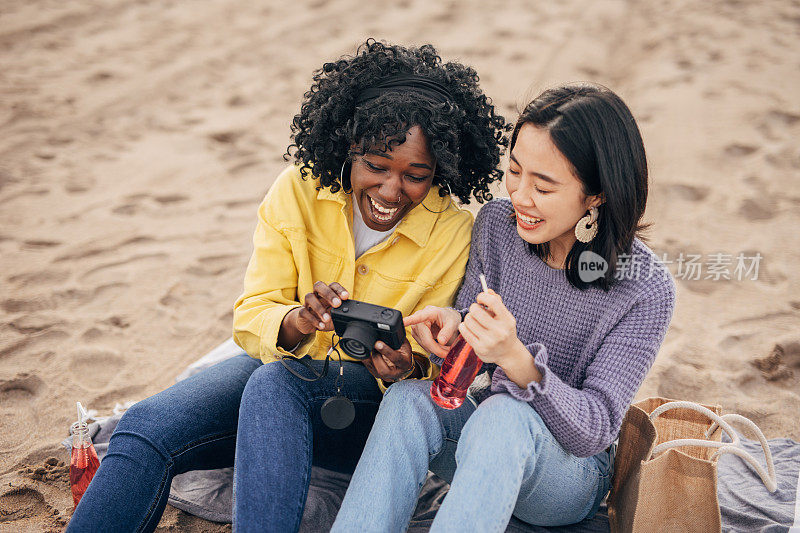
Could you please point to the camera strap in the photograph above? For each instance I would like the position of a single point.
(319, 375)
(338, 411)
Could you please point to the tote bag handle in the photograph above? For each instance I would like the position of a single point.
(767, 477)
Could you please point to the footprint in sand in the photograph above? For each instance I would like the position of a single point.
(739, 150)
(214, 265)
(690, 193)
(170, 199)
(227, 136)
(18, 397)
(20, 390)
(32, 344)
(135, 203)
(38, 244)
(126, 209)
(783, 362)
(79, 184)
(249, 203)
(34, 323)
(25, 503)
(140, 258)
(774, 124)
(753, 209)
(785, 158)
(7, 178)
(55, 300)
(96, 367)
(40, 277)
(91, 249)
(34, 303)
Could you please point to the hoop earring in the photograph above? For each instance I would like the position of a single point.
(586, 228)
(446, 207)
(341, 178)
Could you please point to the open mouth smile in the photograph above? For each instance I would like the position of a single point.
(381, 213)
(528, 222)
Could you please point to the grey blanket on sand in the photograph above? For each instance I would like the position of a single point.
(745, 503)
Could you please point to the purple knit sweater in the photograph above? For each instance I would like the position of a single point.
(593, 348)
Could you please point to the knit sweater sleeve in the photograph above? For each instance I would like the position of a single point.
(586, 420)
(471, 285)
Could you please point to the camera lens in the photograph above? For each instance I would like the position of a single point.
(358, 340)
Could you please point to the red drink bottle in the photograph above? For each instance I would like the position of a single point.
(458, 371)
(83, 463)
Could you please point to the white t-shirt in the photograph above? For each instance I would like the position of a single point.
(366, 237)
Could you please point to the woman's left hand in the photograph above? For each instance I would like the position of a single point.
(388, 364)
(491, 329)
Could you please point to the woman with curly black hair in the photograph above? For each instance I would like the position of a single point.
(383, 141)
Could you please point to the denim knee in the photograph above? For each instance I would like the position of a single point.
(407, 390)
(269, 381)
(502, 418)
(406, 398)
(144, 421)
(408, 407)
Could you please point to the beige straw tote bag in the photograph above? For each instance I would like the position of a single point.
(665, 469)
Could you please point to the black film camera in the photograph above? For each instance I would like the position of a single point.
(360, 325)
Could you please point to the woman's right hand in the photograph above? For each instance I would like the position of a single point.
(434, 328)
(315, 315)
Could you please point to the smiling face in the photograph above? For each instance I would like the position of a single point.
(387, 185)
(548, 198)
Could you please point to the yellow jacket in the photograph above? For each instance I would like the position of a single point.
(305, 235)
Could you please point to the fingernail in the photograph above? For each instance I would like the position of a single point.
(345, 294)
(326, 317)
(337, 302)
(379, 345)
(321, 325)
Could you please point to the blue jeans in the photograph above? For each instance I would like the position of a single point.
(508, 463)
(281, 434)
(193, 426)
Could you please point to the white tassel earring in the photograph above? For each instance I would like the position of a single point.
(586, 228)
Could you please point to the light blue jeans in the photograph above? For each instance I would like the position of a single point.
(508, 463)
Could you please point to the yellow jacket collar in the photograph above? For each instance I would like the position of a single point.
(417, 225)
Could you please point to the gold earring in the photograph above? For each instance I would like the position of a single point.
(586, 228)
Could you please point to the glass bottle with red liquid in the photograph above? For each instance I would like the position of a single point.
(458, 372)
(459, 369)
(83, 462)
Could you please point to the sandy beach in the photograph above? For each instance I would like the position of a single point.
(138, 138)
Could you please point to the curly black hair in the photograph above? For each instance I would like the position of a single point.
(465, 135)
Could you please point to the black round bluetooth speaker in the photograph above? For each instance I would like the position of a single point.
(337, 412)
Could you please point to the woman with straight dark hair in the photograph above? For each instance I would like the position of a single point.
(565, 345)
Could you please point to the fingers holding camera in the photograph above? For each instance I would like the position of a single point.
(317, 305)
(389, 364)
(330, 295)
(313, 316)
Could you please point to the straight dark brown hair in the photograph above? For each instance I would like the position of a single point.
(594, 129)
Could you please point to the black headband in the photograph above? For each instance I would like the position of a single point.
(408, 82)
